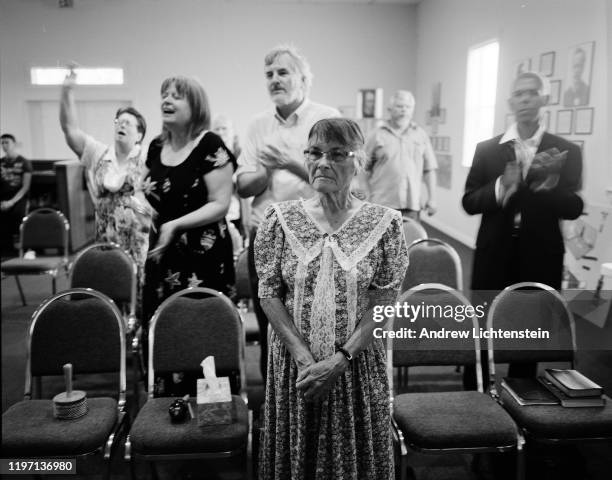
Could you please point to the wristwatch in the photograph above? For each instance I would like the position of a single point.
(344, 351)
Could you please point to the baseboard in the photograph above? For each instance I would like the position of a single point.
(451, 232)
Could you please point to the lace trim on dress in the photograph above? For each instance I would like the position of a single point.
(323, 332)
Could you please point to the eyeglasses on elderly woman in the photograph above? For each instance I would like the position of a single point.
(335, 155)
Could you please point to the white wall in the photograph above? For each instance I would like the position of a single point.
(447, 29)
(222, 43)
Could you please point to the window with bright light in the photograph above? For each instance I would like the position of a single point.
(480, 92)
(84, 76)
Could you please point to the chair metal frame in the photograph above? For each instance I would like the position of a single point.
(529, 436)
(398, 435)
(133, 330)
(415, 225)
(452, 254)
(52, 272)
(132, 456)
(122, 418)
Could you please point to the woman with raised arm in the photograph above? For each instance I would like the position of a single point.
(114, 173)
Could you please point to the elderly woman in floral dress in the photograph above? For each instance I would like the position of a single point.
(323, 264)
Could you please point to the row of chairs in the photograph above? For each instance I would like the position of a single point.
(86, 328)
(487, 421)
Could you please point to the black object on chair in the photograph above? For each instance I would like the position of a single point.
(182, 332)
(89, 334)
(445, 422)
(535, 305)
(44, 228)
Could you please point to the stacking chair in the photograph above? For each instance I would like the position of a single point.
(445, 422)
(41, 229)
(109, 269)
(535, 305)
(413, 230)
(89, 334)
(433, 261)
(182, 332)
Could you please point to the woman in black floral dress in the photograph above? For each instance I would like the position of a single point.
(189, 184)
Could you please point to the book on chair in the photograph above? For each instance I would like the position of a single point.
(572, 383)
(528, 391)
(567, 401)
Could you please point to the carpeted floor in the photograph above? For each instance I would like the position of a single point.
(584, 462)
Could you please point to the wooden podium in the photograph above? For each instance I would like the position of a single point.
(74, 201)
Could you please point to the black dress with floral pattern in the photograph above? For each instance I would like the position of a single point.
(198, 257)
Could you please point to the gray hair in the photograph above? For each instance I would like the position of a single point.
(401, 94)
(299, 62)
(343, 131)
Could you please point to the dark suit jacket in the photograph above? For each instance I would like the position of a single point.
(540, 244)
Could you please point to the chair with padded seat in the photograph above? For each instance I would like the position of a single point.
(413, 230)
(535, 305)
(108, 268)
(41, 229)
(87, 332)
(444, 422)
(184, 330)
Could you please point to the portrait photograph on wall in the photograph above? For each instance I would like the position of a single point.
(370, 103)
(547, 64)
(555, 92)
(578, 77)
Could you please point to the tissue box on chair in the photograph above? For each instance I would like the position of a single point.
(214, 402)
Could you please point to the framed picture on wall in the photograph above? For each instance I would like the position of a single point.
(555, 92)
(522, 66)
(583, 123)
(564, 122)
(578, 77)
(370, 103)
(444, 174)
(547, 64)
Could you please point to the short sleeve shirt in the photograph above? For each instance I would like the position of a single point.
(12, 172)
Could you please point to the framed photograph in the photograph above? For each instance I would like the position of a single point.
(547, 64)
(546, 120)
(578, 78)
(370, 103)
(522, 66)
(564, 122)
(583, 121)
(555, 92)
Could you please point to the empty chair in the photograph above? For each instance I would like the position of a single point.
(183, 331)
(109, 269)
(445, 422)
(433, 261)
(44, 228)
(89, 334)
(413, 230)
(529, 305)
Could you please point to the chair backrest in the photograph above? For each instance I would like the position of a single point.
(109, 269)
(433, 261)
(183, 331)
(243, 286)
(87, 332)
(535, 308)
(433, 325)
(44, 228)
(413, 230)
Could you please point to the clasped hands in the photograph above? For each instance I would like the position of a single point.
(543, 174)
(316, 379)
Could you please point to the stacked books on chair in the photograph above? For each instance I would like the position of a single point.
(569, 388)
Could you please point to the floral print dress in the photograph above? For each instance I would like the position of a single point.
(325, 282)
(120, 216)
(201, 256)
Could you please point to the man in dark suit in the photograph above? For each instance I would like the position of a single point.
(523, 183)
